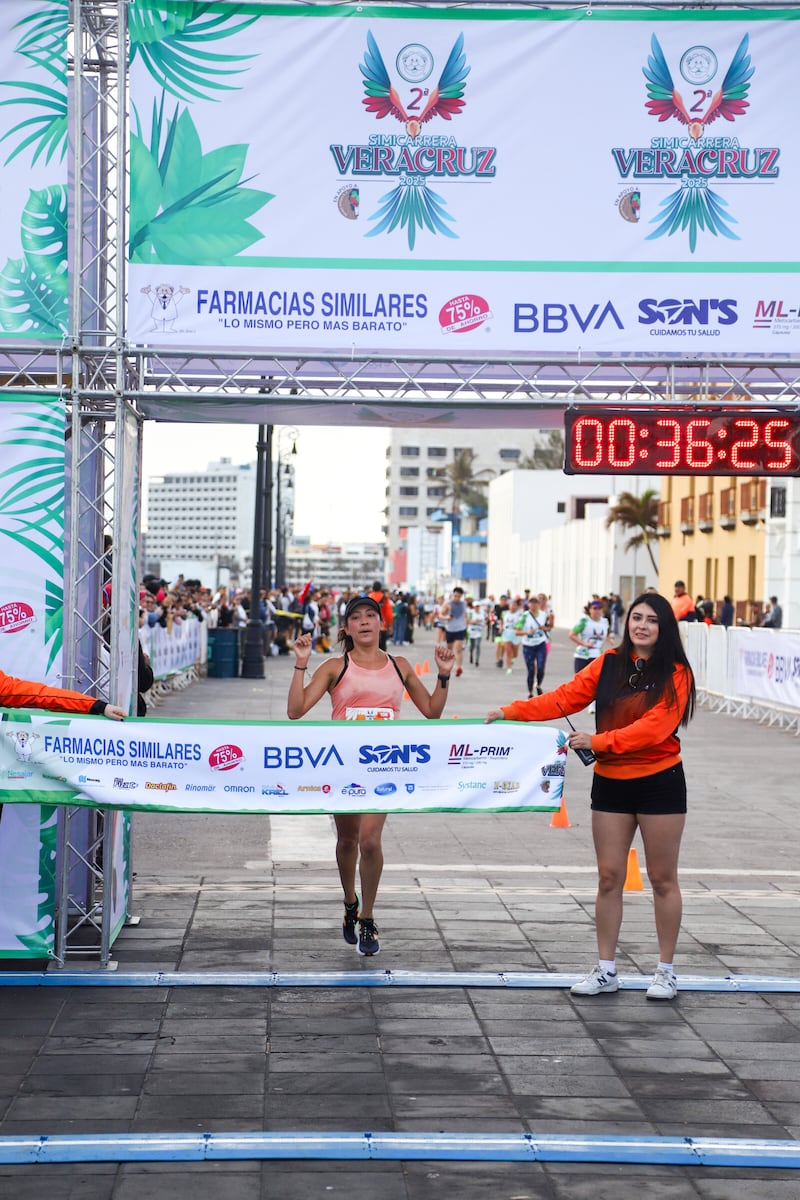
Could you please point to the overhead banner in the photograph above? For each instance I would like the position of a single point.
(768, 666)
(447, 181)
(34, 286)
(283, 767)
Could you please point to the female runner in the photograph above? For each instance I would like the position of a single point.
(366, 683)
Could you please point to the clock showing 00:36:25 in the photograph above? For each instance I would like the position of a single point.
(681, 441)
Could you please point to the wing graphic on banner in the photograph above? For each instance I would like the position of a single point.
(446, 100)
(730, 101)
(697, 208)
(413, 207)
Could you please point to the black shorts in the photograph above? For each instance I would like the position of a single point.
(651, 795)
(457, 635)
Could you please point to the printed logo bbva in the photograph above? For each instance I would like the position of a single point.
(563, 318)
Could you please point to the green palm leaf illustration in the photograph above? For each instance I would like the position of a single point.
(172, 39)
(34, 290)
(32, 505)
(412, 208)
(694, 210)
(43, 44)
(187, 206)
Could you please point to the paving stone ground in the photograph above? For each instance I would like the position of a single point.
(460, 892)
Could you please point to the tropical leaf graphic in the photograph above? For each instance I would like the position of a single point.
(187, 206)
(43, 43)
(32, 502)
(171, 38)
(412, 208)
(34, 289)
(693, 209)
(53, 619)
(32, 505)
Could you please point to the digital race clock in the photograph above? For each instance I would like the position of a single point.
(681, 441)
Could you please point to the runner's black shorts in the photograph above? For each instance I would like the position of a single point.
(455, 635)
(651, 795)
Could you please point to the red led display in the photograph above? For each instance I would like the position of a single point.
(681, 441)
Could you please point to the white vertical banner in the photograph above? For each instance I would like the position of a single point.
(31, 612)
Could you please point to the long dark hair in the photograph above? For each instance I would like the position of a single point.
(668, 652)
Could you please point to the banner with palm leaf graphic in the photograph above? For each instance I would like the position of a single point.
(31, 617)
(34, 294)
(478, 180)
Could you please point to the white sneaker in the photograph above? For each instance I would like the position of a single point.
(664, 986)
(596, 981)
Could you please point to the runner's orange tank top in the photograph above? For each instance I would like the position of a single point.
(362, 695)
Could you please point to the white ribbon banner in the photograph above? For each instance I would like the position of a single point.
(282, 767)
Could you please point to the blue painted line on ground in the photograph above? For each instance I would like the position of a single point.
(367, 978)
(39, 1149)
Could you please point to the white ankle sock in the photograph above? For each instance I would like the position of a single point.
(608, 966)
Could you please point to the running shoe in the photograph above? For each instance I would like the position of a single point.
(538, 691)
(349, 923)
(596, 981)
(664, 986)
(368, 944)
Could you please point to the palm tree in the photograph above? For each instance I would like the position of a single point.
(463, 485)
(640, 513)
(547, 453)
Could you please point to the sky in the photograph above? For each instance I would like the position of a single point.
(340, 472)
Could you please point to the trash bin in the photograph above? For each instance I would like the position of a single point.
(223, 653)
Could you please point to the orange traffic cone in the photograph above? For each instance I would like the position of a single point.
(426, 668)
(633, 878)
(417, 668)
(560, 820)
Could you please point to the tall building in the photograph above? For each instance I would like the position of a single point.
(419, 503)
(202, 516)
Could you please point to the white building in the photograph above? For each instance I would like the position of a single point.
(202, 517)
(547, 532)
(782, 550)
(416, 492)
(343, 567)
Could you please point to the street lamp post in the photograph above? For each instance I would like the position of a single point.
(290, 434)
(253, 659)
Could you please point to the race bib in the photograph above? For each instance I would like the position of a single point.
(368, 714)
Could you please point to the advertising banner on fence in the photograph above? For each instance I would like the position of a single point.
(458, 180)
(34, 288)
(173, 650)
(284, 767)
(768, 666)
(31, 605)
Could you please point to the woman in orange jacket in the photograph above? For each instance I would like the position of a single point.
(644, 690)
